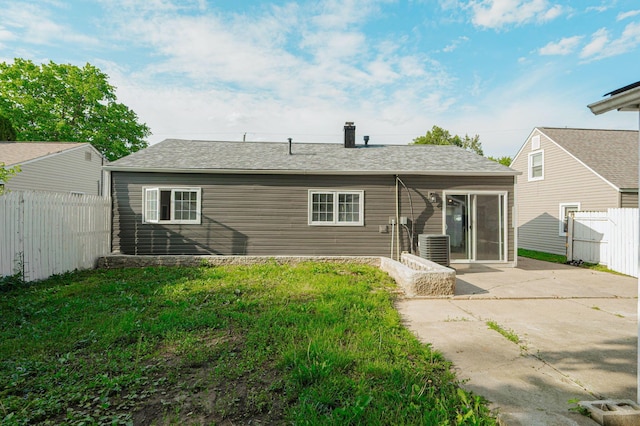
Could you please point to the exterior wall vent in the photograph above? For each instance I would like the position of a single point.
(434, 247)
(535, 142)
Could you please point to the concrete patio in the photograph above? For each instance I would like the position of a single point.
(577, 330)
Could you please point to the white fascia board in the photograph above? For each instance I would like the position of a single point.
(526, 141)
(308, 172)
(625, 101)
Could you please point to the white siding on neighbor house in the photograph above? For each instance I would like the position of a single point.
(565, 181)
(69, 171)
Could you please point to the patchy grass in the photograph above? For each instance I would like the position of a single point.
(556, 258)
(307, 344)
(601, 268)
(539, 255)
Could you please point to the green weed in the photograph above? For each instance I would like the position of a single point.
(313, 343)
(509, 334)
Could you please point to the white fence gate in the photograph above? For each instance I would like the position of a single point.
(42, 234)
(608, 238)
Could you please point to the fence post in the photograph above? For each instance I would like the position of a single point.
(569, 244)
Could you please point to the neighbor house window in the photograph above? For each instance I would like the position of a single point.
(172, 205)
(336, 208)
(536, 165)
(565, 210)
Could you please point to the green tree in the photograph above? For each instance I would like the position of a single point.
(440, 136)
(6, 173)
(505, 161)
(7, 132)
(62, 102)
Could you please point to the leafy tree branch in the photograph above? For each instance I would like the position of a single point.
(66, 103)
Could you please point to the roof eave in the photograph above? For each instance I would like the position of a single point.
(79, 145)
(310, 172)
(625, 101)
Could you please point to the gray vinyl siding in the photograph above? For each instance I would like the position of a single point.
(268, 214)
(565, 181)
(68, 171)
(629, 199)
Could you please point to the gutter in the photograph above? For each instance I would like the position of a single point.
(625, 101)
(307, 171)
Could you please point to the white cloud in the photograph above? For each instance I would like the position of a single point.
(301, 71)
(5, 35)
(602, 8)
(455, 44)
(500, 13)
(563, 47)
(283, 53)
(601, 45)
(339, 14)
(32, 24)
(598, 42)
(629, 14)
(552, 13)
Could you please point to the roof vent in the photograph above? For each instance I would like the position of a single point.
(289, 139)
(366, 140)
(349, 135)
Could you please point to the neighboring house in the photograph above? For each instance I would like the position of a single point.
(268, 198)
(54, 167)
(565, 170)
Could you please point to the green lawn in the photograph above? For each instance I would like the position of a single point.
(309, 344)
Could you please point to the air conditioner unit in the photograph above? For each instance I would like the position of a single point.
(434, 247)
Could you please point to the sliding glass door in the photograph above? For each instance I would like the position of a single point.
(477, 226)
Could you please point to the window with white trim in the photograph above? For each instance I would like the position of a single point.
(565, 210)
(171, 205)
(344, 208)
(536, 165)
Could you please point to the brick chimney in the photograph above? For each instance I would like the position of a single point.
(349, 135)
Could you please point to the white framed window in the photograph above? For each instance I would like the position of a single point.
(536, 165)
(171, 205)
(564, 211)
(329, 207)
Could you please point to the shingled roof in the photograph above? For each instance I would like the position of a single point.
(612, 154)
(193, 156)
(12, 153)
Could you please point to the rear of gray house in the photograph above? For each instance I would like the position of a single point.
(271, 198)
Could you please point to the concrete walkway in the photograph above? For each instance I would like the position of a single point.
(577, 330)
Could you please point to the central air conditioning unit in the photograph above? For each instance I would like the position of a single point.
(434, 247)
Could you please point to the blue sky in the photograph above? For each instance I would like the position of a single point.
(228, 69)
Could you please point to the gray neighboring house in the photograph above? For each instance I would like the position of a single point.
(270, 198)
(566, 170)
(54, 167)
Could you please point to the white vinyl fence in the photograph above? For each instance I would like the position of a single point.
(608, 238)
(43, 234)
